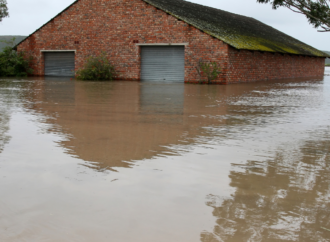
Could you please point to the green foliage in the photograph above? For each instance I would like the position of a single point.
(317, 12)
(13, 63)
(96, 69)
(208, 70)
(3, 9)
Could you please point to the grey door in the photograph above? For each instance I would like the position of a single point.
(59, 63)
(162, 63)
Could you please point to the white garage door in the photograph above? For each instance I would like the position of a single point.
(59, 63)
(162, 63)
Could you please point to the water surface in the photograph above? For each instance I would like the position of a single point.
(128, 161)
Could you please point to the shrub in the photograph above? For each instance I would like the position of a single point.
(208, 70)
(96, 69)
(13, 63)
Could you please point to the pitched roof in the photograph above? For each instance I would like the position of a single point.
(236, 30)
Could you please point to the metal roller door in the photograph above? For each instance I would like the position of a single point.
(162, 63)
(59, 63)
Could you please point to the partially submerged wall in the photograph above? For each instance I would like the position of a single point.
(119, 27)
(246, 66)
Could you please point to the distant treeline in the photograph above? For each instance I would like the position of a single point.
(18, 39)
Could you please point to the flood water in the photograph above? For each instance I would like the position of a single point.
(128, 161)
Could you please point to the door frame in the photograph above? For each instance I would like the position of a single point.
(139, 45)
(42, 52)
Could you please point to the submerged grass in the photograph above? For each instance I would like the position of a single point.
(325, 229)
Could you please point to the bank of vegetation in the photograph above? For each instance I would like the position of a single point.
(12, 63)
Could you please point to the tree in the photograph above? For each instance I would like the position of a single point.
(3, 9)
(317, 11)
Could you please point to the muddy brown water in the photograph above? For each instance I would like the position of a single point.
(128, 161)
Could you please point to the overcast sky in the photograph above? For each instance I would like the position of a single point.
(28, 15)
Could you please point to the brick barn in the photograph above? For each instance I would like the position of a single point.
(165, 40)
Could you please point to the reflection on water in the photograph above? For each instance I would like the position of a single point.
(4, 122)
(281, 199)
(129, 161)
(166, 98)
(10, 93)
(110, 124)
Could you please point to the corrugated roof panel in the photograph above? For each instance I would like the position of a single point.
(236, 30)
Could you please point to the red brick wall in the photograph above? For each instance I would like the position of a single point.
(112, 26)
(245, 66)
